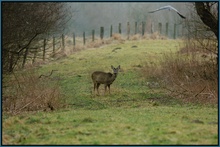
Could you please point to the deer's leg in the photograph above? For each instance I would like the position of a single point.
(94, 87)
(98, 84)
(109, 88)
(105, 87)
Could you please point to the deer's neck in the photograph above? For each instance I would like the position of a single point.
(113, 77)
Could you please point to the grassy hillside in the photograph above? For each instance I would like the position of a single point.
(133, 113)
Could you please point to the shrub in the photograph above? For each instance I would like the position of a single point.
(187, 76)
(135, 37)
(116, 36)
(26, 91)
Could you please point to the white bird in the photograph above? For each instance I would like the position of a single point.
(169, 8)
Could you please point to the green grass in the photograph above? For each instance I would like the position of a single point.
(145, 125)
(132, 114)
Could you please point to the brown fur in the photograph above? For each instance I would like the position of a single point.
(99, 77)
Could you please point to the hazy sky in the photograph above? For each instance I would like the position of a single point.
(92, 15)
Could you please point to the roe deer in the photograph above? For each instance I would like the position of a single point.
(107, 79)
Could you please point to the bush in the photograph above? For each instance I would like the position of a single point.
(187, 76)
(27, 91)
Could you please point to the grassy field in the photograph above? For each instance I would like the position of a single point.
(132, 114)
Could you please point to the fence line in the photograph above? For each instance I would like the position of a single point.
(139, 28)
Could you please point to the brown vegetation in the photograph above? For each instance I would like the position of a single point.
(190, 75)
(28, 91)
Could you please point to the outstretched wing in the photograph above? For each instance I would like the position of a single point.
(181, 15)
(161, 8)
(172, 8)
(169, 8)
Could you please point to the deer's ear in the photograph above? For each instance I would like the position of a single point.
(118, 66)
(112, 67)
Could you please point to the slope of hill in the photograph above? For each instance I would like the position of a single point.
(134, 112)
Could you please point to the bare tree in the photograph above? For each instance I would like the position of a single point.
(201, 29)
(208, 14)
(26, 22)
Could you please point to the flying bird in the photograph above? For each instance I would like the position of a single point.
(169, 8)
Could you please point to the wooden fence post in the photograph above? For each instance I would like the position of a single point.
(167, 29)
(143, 28)
(53, 45)
(128, 29)
(63, 42)
(25, 56)
(111, 31)
(174, 32)
(101, 32)
(119, 28)
(74, 40)
(182, 31)
(84, 38)
(135, 28)
(152, 28)
(44, 49)
(93, 35)
(35, 55)
(160, 28)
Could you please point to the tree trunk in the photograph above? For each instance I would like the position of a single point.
(207, 18)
